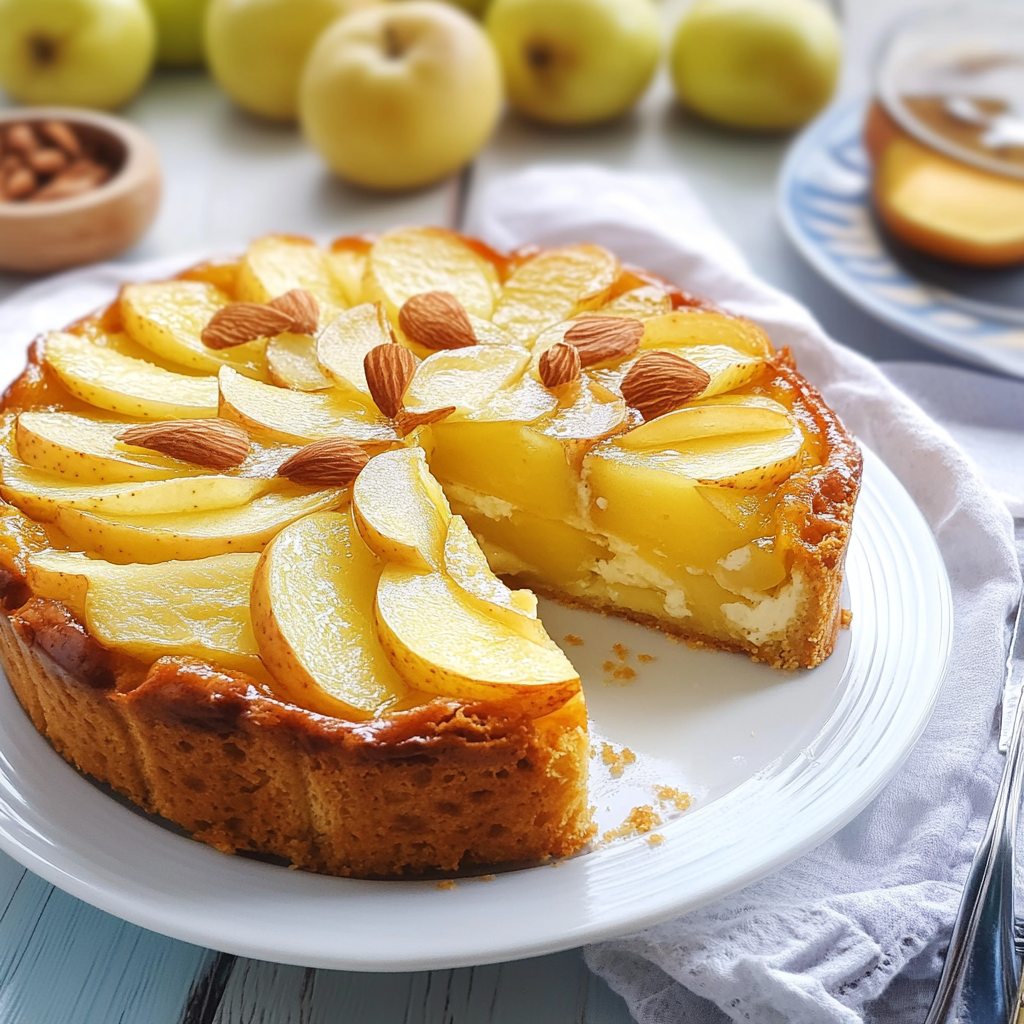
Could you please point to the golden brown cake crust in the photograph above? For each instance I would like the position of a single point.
(441, 787)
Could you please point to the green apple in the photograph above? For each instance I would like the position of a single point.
(81, 53)
(575, 61)
(256, 49)
(179, 31)
(400, 95)
(767, 65)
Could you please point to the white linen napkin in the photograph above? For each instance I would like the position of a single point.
(856, 929)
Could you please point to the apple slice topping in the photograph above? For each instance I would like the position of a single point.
(710, 417)
(681, 329)
(296, 417)
(109, 380)
(168, 317)
(757, 461)
(439, 639)
(276, 264)
(411, 261)
(344, 344)
(465, 377)
(39, 495)
(312, 612)
(465, 563)
(400, 509)
(87, 451)
(292, 363)
(161, 538)
(552, 286)
(126, 607)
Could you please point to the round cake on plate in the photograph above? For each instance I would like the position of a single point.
(269, 528)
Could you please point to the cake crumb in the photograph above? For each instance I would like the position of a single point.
(608, 666)
(621, 651)
(601, 503)
(573, 640)
(623, 674)
(447, 883)
(655, 839)
(645, 659)
(640, 820)
(670, 795)
(845, 618)
(486, 878)
(617, 761)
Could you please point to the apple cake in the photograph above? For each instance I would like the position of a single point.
(261, 525)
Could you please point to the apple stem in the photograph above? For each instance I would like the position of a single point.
(392, 43)
(44, 49)
(538, 55)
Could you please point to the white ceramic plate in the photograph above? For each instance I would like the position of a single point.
(776, 762)
(824, 201)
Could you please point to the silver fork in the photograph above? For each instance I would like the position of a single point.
(980, 977)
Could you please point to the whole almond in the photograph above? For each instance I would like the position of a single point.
(244, 321)
(333, 462)
(389, 370)
(21, 138)
(599, 339)
(216, 443)
(302, 307)
(436, 320)
(19, 184)
(659, 382)
(407, 420)
(60, 134)
(47, 160)
(559, 364)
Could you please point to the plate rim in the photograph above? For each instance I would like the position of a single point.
(85, 880)
(810, 142)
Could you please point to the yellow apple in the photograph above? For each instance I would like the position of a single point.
(400, 95)
(575, 61)
(256, 49)
(77, 53)
(312, 612)
(179, 31)
(766, 65)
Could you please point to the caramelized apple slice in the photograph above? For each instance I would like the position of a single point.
(346, 263)
(400, 509)
(743, 461)
(590, 412)
(467, 378)
(343, 344)
(160, 538)
(745, 414)
(39, 495)
(276, 264)
(683, 329)
(464, 562)
(553, 286)
(296, 417)
(126, 607)
(415, 260)
(441, 643)
(132, 387)
(647, 300)
(292, 363)
(168, 317)
(86, 451)
(312, 611)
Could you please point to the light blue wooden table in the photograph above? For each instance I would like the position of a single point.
(229, 179)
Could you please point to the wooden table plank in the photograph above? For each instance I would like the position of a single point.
(64, 961)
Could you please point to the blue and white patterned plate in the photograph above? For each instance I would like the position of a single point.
(824, 202)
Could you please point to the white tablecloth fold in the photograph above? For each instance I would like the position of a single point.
(855, 930)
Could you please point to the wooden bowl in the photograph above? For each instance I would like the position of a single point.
(53, 234)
